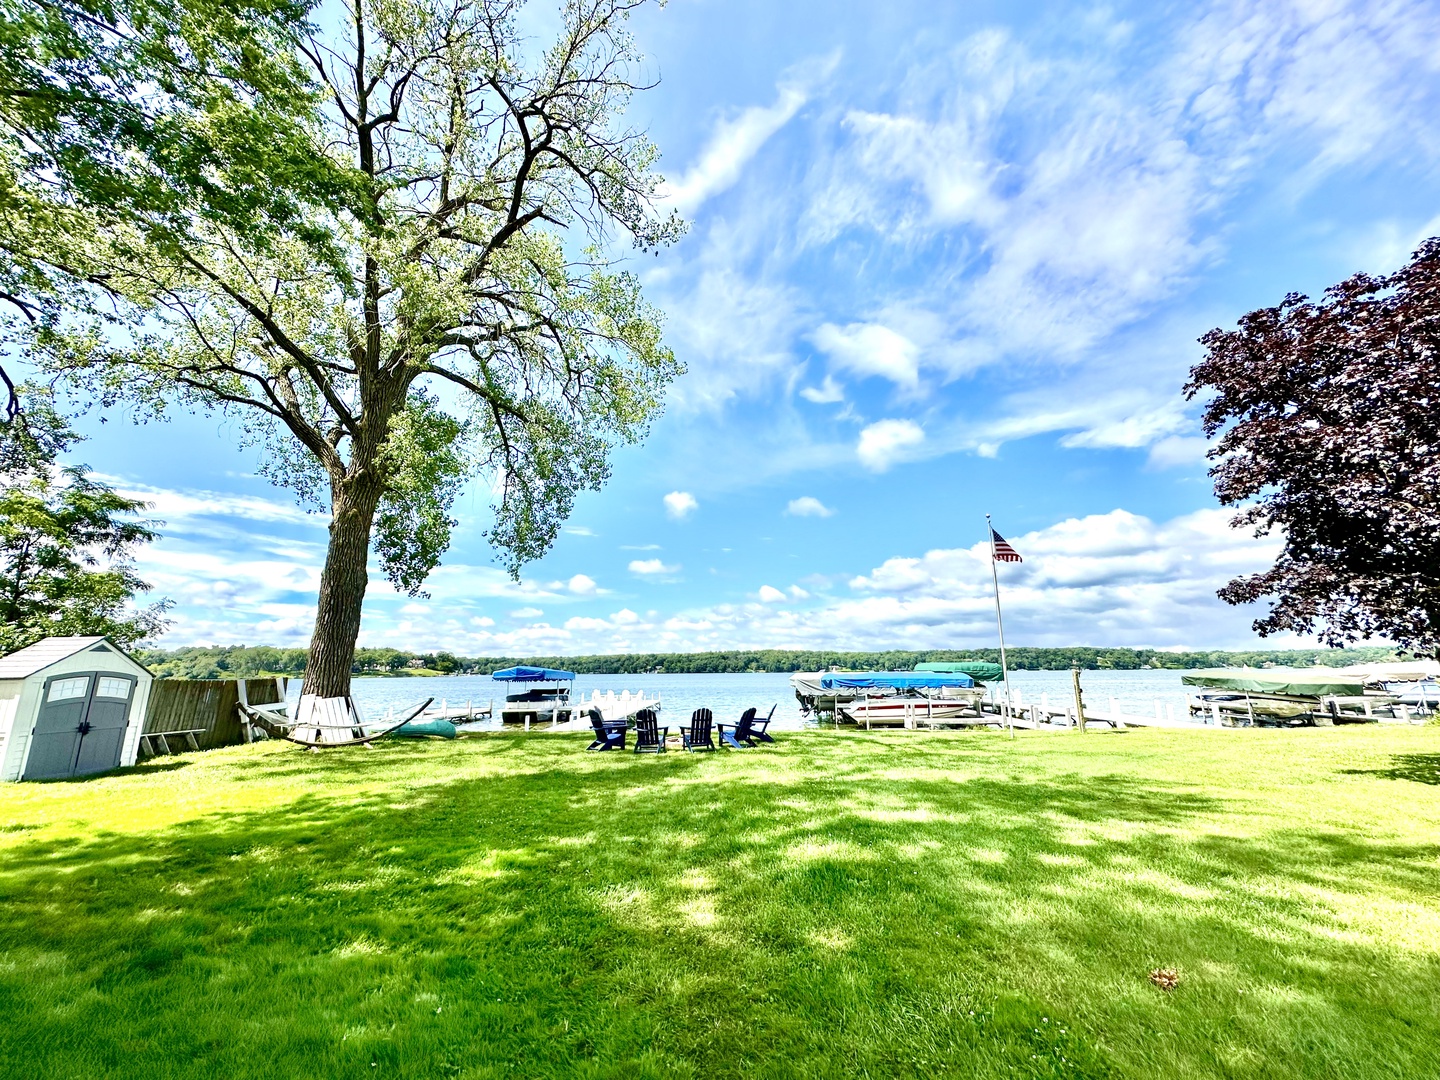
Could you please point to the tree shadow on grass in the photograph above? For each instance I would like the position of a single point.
(705, 917)
(1420, 768)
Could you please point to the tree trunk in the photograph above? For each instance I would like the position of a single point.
(342, 591)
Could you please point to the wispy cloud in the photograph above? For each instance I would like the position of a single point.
(829, 392)
(737, 139)
(870, 349)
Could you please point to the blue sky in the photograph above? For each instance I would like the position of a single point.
(945, 259)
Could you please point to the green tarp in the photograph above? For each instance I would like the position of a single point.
(1308, 683)
(979, 670)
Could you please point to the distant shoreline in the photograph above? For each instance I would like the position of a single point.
(258, 661)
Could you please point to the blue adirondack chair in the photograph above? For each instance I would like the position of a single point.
(608, 736)
(760, 728)
(734, 735)
(649, 735)
(697, 735)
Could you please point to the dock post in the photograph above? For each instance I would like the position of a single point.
(527, 721)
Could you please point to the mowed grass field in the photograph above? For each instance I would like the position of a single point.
(838, 905)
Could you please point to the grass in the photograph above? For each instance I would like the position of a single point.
(856, 905)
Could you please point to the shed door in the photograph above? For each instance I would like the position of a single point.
(81, 726)
(107, 718)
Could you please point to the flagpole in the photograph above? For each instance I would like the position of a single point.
(1000, 625)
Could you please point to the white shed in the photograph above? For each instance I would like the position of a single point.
(70, 706)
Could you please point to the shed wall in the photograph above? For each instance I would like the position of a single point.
(9, 700)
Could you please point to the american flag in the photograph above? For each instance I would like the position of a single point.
(1003, 551)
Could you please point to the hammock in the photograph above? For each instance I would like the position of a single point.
(326, 716)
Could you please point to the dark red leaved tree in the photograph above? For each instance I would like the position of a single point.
(1328, 417)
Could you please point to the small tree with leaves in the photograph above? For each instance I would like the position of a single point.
(1327, 424)
(66, 544)
(455, 313)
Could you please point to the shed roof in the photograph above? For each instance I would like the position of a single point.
(25, 662)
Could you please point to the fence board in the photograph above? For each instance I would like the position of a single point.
(207, 705)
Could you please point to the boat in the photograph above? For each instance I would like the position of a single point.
(536, 695)
(1420, 694)
(903, 698)
(815, 698)
(1285, 696)
(906, 710)
(982, 671)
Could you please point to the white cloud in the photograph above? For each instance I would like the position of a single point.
(680, 505)
(1116, 578)
(885, 442)
(1107, 579)
(182, 505)
(581, 585)
(871, 349)
(579, 530)
(583, 623)
(829, 392)
(808, 506)
(1178, 450)
(736, 140)
(735, 327)
(652, 567)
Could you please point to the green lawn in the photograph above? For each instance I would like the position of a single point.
(840, 904)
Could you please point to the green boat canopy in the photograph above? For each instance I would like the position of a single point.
(979, 670)
(1316, 682)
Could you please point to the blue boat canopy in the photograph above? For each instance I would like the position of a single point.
(892, 680)
(532, 674)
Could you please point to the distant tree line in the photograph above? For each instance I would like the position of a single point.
(242, 661)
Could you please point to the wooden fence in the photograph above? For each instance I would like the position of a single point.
(206, 707)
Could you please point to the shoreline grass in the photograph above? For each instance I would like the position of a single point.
(840, 904)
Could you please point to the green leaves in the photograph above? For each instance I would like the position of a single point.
(65, 546)
(425, 466)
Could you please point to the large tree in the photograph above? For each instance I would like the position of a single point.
(1328, 423)
(457, 310)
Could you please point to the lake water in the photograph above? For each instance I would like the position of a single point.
(728, 696)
